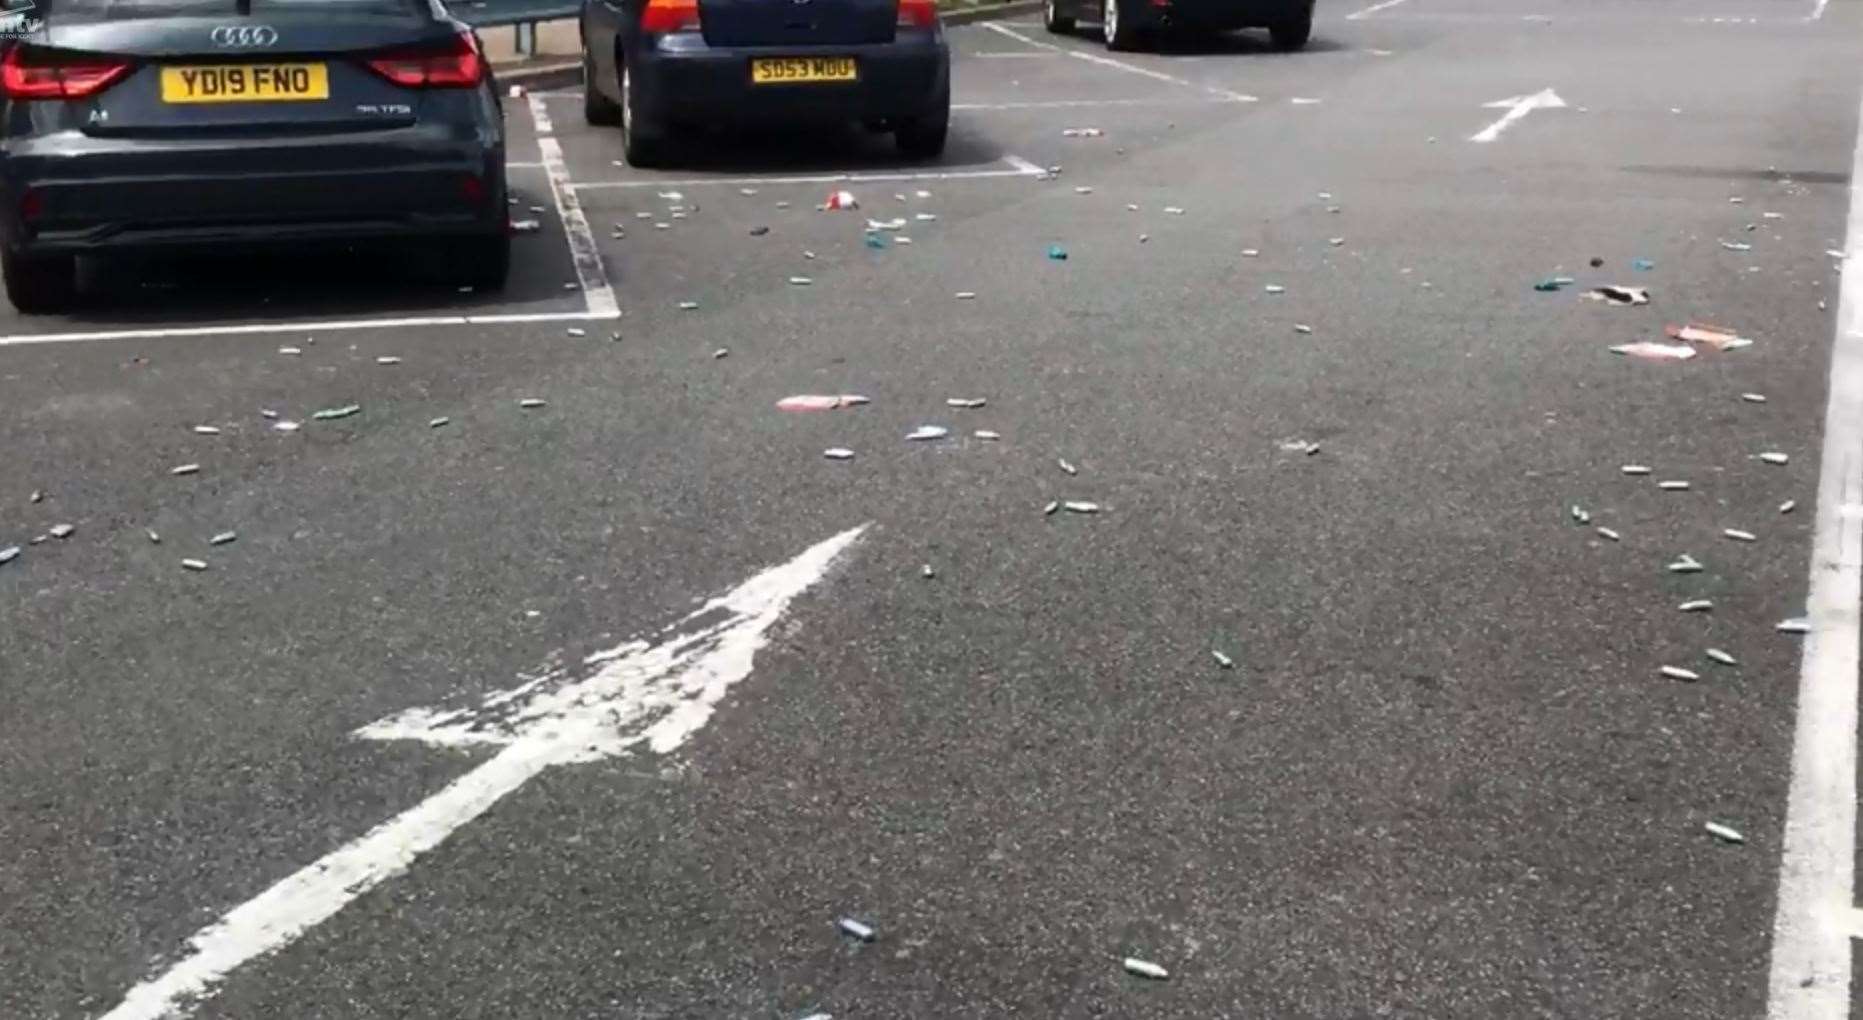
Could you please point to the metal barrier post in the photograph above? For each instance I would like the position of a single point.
(526, 45)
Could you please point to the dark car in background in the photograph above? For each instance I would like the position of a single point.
(654, 67)
(212, 125)
(1127, 24)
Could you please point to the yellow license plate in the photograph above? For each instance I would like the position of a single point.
(245, 83)
(783, 70)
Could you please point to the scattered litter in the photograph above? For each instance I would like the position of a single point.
(800, 281)
(1753, 398)
(388, 359)
(722, 352)
(860, 931)
(820, 402)
(1736, 246)
(876, 240)
(1131, 207)
(1223, 660)
(1553, 283)
(1080, 507)
(1145, 969)
(1326, 196)
(1596, 262)
(924, 432)
(1057, 253)
(747, 192)
(1052, 506)
(894, 224)
(199, 430)
(759, 231)
(921, 193)
(1275, 288)
(154, 537)
(1740, 536)
(968, 403)
(1144, 238)
(1655, 351)
(1083, 190)
(967, 295)
(1251, 253)
(223, 538)
(784, 205)
(1302, 328)
(1735, 200)
(1066, 467)
(1697, 606)
(1686, 564)
(987, 435)
(838, 201)
(516, 92)
(194, 564)
(925, 217)
(60, 531)
(268, 414)
(1799, 625)
(36, 497)
(1678, 673)
(902, 239)
(1718, 337)
(1618, 295)
(1642, 265)
(643, 216)
(1172, 210)
(1774, 457)
(1303, 101)
(290, 351)
(1082, 133)
(662, 226)
(1608, 533)
(1722, 657)
(688, 306)
(1636, 469)
(286, 426)
(838, 453)
(185, 469)
(1772, 215)
(1788, 506)
(1335, 241)
(333, 413)
(1673, 486)
(1723, 833)
(1335, 210)
(677, 216)
(530, 403)
(1580, 514)
(439, 423)
(672, 196)
(1302, 446)
(9, 554)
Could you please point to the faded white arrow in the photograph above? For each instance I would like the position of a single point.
(1517, 107)
(638, 693)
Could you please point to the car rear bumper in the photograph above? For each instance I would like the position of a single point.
(89, 194)
(683, 81)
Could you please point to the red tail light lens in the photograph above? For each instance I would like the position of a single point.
(34, 72)
(453, 64)
(662, 17)
(918, 13)
(31, 206)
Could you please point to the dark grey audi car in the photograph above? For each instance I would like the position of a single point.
(206, 125)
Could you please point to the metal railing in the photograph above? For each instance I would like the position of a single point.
(522, 14)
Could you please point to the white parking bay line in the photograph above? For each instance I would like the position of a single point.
(1022, 168)
(1373, 9)
(582, 250)
(1062, 104)
(312, 327)
(1095, 58)
(1811, 955)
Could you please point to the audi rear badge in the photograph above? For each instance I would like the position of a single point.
(245, 35)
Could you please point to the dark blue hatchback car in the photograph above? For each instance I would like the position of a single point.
(165, 125)
(655, 66)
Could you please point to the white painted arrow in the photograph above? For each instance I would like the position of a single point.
(1517, 107)
(657, 695)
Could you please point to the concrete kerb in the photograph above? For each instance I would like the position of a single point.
(569, 74)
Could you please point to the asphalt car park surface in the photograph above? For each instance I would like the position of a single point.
(1443, 779)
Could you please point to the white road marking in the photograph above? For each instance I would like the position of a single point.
(657, 695)
(1023, 168)
(310, 327)
(1373, 9)
(1517, 107)
(522, 165)
(1818, 11)
(1812, 928)
(1095, 58)
(1058, 104)
(998, 55)
(582, 250)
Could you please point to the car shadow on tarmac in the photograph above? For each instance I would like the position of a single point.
(816, 151)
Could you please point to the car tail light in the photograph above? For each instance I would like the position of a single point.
(918, 13)
(34, 72)
(452, 64)
(662, 17)
(472, 189)
(31, 206)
